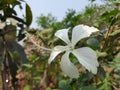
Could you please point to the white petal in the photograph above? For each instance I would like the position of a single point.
(57, 50)
(63, 35)
(88, 58)
(81, 31)
(67, 67)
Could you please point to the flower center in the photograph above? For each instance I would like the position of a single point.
(71, 47)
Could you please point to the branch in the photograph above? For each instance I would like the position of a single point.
(40, 47)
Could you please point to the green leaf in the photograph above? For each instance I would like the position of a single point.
(27, 87)
(28, 15)
(117, 58)
(101, 73)
(106, 83)
(93, 42)
(115, 33)
(64, 85)
(116, 1)
(37, 78)
(102, 54)
(10, 32)
(48, 88)
(20, 51)
(109, 16)
(110, 13)
(88, 88)
(27, 65)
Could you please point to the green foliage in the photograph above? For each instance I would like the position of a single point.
(88, 88)
(110, 16)
(63, 85)
(116, 64)
(70, 18)
(12, 54)
(115, 33)
(46, 21)
(26, 87)
(19, 49)
(106, 84)
(28, 15)
(93, 42)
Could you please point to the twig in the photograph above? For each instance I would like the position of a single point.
(40, 47)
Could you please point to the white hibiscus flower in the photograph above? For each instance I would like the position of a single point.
(85, 55)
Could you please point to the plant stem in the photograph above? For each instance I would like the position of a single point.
(40, 47)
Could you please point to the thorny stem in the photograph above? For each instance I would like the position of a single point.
(40, 47)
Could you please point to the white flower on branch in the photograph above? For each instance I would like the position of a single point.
(85, 55)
